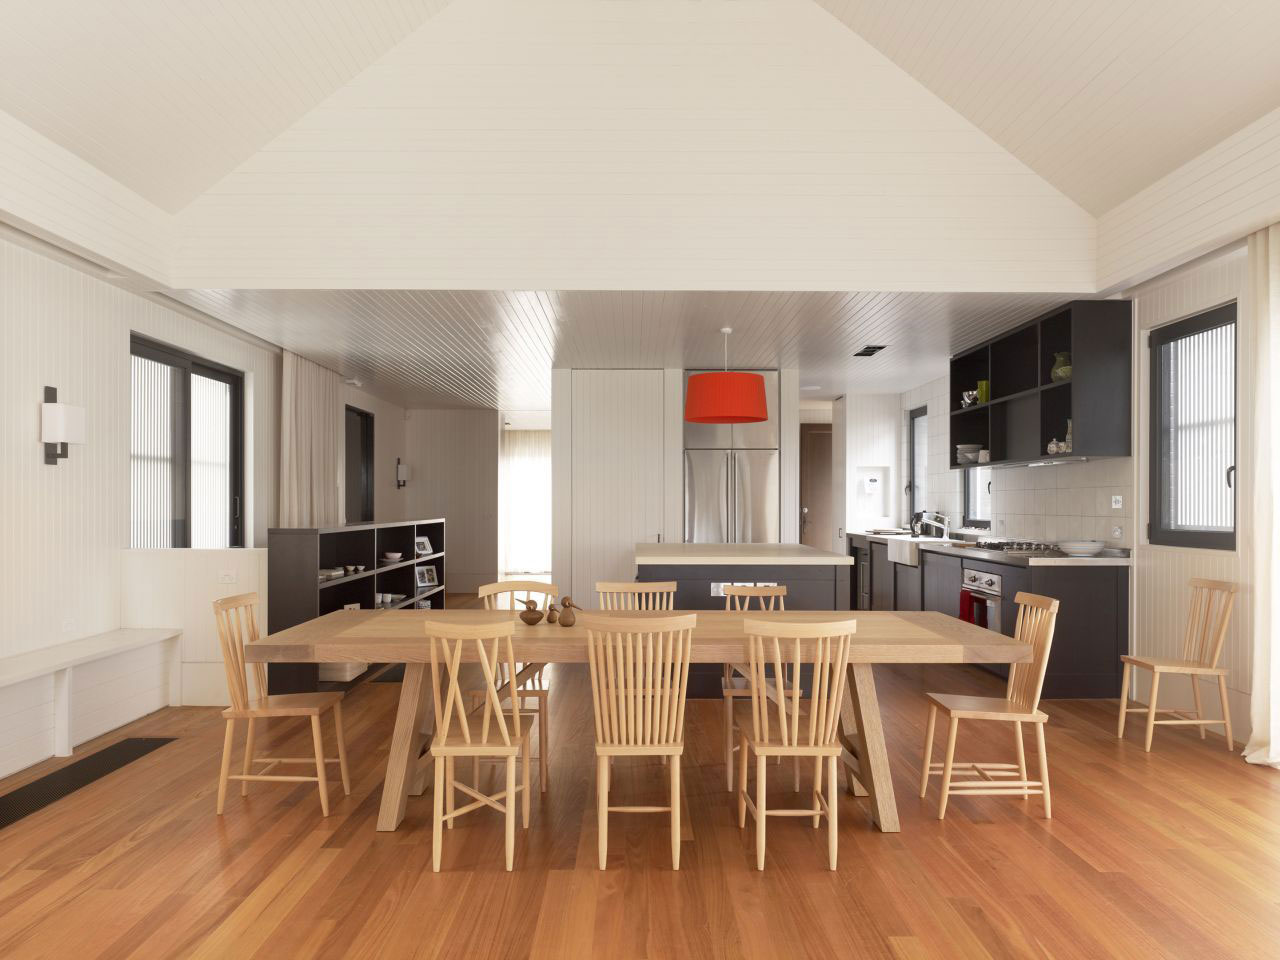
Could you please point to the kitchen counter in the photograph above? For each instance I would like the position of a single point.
(736, 554)
(998, 556)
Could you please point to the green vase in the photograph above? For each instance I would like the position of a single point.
(1061, 367)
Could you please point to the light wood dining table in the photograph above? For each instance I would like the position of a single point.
(399, 636)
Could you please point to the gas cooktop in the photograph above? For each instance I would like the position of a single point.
(1021, 548)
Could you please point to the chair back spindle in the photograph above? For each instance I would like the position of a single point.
(784, 646)
(636, 596)
(639, 677)
(237, 620)
(1212, 602)
(505, 594)
(490, 643)
(1037, 616)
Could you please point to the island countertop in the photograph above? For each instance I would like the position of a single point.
(737, 554)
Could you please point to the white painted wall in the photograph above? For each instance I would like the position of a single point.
(1161, 572)
(390, 440)
(454, 458)
(871, 437)
(945, 486)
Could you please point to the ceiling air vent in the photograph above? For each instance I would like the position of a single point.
(870, 350)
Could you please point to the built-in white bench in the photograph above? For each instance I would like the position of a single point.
(59, 662)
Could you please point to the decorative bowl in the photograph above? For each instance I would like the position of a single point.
(392, 556)
(1081, 548)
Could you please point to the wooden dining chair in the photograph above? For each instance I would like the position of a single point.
(787, 723)
(639, 677)
(1211, 604)
(532, 685)
(734, 684)
(237, 622)
(1020, 704)
(636, 596)
(497, 730)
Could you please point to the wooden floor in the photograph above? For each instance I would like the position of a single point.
(1171, 854)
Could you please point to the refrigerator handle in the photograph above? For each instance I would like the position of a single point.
(731, 521)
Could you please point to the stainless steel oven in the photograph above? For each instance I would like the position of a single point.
(980, 598)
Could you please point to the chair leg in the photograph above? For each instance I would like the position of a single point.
(1226, 711)
(1044, 770)
(761, 818)
(795, 767)
(728, 743)
(437, 815)
(1124, 699)
(742, 781)
(524, 794)
(342, 748)
(946, 766)
(322, 781)
(817, 788)
(227, 740)
(1195, 697)
(833, 801)
(928, 749)
(450, 771)
(1022, 754)
(247, 767)
(1151, 709)
(602, 808)
(510, 806)
(675, 812)
(544, 743)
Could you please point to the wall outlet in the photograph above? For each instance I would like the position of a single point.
(227, 576)
(1117, 533)
(1117, 503)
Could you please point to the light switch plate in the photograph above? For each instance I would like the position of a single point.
(227, 576)
(1117, 503)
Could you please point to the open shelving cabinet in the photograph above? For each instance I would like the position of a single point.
(1027, 408)
(296, 594)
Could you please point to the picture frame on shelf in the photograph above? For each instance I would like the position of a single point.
(422, 546)
(426, 577)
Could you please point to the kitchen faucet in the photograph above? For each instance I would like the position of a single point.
(938, 521)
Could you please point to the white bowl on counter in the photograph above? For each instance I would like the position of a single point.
(1081, 548)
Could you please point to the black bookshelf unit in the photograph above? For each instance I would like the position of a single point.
(1027, 408)
(296, 592)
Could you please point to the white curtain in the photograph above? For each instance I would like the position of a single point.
(1264, 305)
(524, 503)
(310, 443)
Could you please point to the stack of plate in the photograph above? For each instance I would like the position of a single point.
(1081, 548)
(967, 452)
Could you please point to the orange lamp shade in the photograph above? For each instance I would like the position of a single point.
(725, 397)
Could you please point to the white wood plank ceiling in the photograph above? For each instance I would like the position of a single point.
(497, 349)
(1099, 97)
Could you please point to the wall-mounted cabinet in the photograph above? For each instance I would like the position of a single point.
(1028, 408)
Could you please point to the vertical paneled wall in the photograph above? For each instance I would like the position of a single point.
(65, 525)
(872, 481)
(945, 486)
(1162, 572)
(389, 441)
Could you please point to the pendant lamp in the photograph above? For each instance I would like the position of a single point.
(725, 396)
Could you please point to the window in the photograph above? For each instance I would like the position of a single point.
(1193, 431)
(918, 460)
(186, 453)
(977, 497)
(359, 465)
(524, 505)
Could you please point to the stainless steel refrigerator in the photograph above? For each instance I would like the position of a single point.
(731, 478)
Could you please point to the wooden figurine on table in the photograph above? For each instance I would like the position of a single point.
(531, 614)
(567, 617)
(553, 612)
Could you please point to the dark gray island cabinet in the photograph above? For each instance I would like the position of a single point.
(815, 580)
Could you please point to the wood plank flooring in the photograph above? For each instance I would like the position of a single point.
(1170, 854)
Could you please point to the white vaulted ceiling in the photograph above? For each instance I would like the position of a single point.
(497, 349)
(1099, 97)
(168, 96)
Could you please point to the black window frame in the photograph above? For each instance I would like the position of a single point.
(366, 462)
(148, 349)
(912, 417)
(1158, 532)
(968, 520)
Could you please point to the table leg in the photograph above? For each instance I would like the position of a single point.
(406, 742)
(873, 757)
(421, 771)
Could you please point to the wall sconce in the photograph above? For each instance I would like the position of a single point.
(60, 424)
(402, 473)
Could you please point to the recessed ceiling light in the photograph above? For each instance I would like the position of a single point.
(870, 350)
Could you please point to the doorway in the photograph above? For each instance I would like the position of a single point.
(816, 528)
(359, 466)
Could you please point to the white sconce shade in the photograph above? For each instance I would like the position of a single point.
(61, 423)
(402, 473)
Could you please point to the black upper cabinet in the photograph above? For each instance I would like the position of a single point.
(1027, 408)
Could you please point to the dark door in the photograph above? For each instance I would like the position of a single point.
(359, 466)
(816, 527)
(906, 587)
